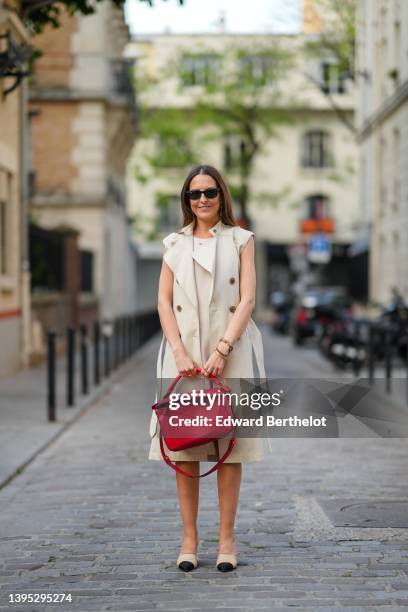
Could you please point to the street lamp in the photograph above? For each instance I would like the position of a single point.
(13, 60)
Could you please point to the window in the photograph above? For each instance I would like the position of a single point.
(316, 215)
(173, 152)
(317, 207)
(332, 79)
(316, 149)
(396, 184)
(234, 152)
(257, 69)
(169, 217)
(199, 69)
(5, 197)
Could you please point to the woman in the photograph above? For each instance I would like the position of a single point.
(206, 297)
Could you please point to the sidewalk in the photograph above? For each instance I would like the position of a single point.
(90, 516)
(24, 428)
(399, 383)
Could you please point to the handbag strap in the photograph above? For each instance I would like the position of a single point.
(213, 469)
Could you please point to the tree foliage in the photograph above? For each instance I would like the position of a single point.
(338, 36)
(336, 41)
(243, 100)
(39, 13)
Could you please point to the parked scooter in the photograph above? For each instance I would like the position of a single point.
(395, 316)
(282, 305)
(318, 308)
(343, 342)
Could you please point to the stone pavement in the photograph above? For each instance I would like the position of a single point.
(92, 517)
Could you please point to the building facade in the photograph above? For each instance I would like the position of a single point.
(382, 119)
(82, 129)
(14, 274)
(304, 180)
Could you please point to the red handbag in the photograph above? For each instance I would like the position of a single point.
(204, 429)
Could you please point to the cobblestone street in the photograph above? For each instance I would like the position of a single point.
(92, 517)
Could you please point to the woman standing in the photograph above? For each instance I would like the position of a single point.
(205, 301)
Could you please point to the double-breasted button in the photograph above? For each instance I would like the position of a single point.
(232, 280)
(233, 308)
(179, 308)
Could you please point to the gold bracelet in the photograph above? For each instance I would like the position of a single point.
(230, 346)
(225, 357)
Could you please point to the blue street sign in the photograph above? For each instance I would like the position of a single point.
(319, 249)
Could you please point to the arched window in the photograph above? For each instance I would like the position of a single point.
(316, 215)
(316, 151)
(317, 207)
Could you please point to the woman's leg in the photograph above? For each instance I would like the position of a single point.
(229, 482)
(188, 494)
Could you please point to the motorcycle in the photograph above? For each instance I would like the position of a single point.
(343, 341)
(395, 317)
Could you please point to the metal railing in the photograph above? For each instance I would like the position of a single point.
(112, 343)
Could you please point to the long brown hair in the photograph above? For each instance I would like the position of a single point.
(226, 214)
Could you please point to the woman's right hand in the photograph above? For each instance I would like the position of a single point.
(185, 365)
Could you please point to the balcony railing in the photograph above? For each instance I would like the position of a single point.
(312, 226)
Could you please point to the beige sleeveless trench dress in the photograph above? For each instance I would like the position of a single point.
(203, 254)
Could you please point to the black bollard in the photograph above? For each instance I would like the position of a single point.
(129, 336)
(116, 343)
(356, 340)
(51, 376)
(124, 338)
(84, 360)
(406, 363)
(137, 331)
(97, 353)
(106, 347)
(388, 358)
(371, 332)
(134, 334)
(71, 334)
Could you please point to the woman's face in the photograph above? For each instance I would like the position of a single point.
(206, 209)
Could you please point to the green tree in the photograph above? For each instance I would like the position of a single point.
(39, 13)
(337, 42)
(239, 98)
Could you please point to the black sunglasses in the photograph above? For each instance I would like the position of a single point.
(210, 193)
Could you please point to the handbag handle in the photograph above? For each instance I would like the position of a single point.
(176, 468)
(199, 372)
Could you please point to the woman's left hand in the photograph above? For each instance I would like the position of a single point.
(214, 364)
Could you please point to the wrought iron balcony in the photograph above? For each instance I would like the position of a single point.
(13, 61)
(312, 226)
